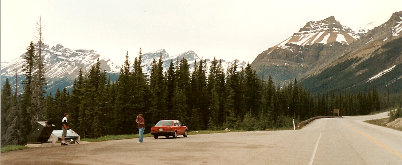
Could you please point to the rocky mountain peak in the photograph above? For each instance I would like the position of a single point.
(396, 23)
(189, 55)
(322, 44)
(63, 62)
(331, 19)
(324, 31)
(329, 23)
(156, 55)
(396, 16)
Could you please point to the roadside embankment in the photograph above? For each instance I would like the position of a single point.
(305, 122)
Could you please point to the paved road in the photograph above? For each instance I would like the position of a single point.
(344, 141)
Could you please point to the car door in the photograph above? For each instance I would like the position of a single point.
(176, 127)
(182, 128)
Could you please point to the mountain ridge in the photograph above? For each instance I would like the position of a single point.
(315, 45)
(309, 59)
(63, 64)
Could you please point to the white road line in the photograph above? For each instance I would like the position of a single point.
(315, 150)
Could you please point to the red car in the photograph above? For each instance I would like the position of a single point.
(169, 128)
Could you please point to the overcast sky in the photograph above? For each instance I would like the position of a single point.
(227, 29)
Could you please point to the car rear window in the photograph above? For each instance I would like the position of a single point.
(164, 123)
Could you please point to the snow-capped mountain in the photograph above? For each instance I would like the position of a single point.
(314, 46)
(190, 56)
(326, 55)
(61, 62)
(62, 65)
(324, 31)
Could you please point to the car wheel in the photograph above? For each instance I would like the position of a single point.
(185, 133)
(175, 135)
(155, 136)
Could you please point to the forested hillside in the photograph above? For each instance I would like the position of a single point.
(363, 73)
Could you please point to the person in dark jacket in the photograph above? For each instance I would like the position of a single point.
(141, 127)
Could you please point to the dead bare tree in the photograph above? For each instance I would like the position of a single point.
(39, 80)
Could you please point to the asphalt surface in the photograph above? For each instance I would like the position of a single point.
(344, 141)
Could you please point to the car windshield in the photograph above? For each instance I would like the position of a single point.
(164, 123)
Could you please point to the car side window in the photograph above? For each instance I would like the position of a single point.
(176, 124)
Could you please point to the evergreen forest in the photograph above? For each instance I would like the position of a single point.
(202, 98)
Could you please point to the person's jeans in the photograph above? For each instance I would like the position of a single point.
(141, 132)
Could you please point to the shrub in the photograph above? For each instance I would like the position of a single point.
(394, 114)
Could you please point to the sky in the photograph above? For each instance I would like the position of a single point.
(227, 29)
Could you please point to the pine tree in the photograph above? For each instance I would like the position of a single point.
(24, 119)
(171, 88)
(9, 131)
(111, 101)
(214, 108)
(6, 104)
(140, 93)
(85, 102)
(49, 109)
(252, 89)
(39, 80)
(91, 95)
(233, 102)
(199, 97)
(183, 94)
(217, 93)
(235, 92)
(123, 97)
(75, 100)
(98, 126)
(221, 90)
(158, 91)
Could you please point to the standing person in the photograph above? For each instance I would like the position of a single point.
(141, 127)
(65, 128)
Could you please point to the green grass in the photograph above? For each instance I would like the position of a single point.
(212, 131)
(114, 137)
(132, 136)
(382, 122)
(10, 148)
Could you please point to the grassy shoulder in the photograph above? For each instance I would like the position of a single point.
(114, 137)
(10, 148)
(383, 123)
(132, 136)
(212, 131)
(380, 122)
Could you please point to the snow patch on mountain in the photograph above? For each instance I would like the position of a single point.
(341, 38)
(325, 39)
(396, 30)
(381, 73)
(324, 32)
(61, 62)
(190, 56)
(361, 30)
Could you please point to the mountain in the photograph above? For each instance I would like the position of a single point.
(374, 60)
(315, 45)
(328, 56)
(62, 65)
(325, 31)
(191, 57)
